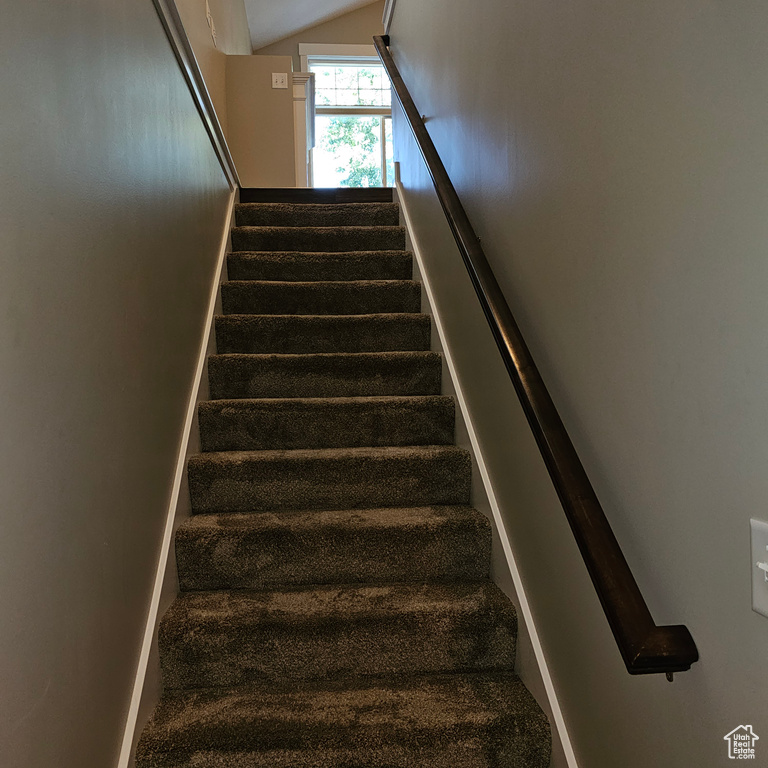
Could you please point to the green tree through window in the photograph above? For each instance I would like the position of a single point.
(361, 138)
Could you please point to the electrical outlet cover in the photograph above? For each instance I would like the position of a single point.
(759, 554)
(279, 79)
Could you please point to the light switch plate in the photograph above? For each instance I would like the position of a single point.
(759, 539)
(279, 79)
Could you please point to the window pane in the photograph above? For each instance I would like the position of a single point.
(346, 96)
(371, 98)
(370, 78)
(347, 152)
(351, 85)
(346, 77)
(324, 77)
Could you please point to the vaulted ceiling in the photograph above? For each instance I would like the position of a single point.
(272, 20)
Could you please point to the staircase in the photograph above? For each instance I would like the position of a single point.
(335, 606)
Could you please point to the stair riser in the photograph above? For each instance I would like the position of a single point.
(243, 376)
(352, 481)
(229, 555)
(334, 651)
(317, 195)
(289, 266)
(312, 215)
(357, 298)
(318, 239)
(284, 334)
(286, 424)
(255, 637)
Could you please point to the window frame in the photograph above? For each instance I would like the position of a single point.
(313, 54)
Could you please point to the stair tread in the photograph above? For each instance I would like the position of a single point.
(302, 454)
(335, 631)
(319, 284)
(327, 214)
(324, 374)
(342, 546)
(324, 603)
(329, 478)
(477, 720)
(320, 265)
(307, 333)
(320, 297)
(299, 206)
(347, 228)
(321, 255)
(335, 238)
(298, 402)
(380, 317)
(430, 517)
(389, 355)
(325, 422)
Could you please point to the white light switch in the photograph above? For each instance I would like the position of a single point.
(279, 79)
(759, 566)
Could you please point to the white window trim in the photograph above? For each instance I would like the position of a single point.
(349, 54)
(304, 122)
(333, 51)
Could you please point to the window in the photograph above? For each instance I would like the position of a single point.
(353, 124)
(351, 86)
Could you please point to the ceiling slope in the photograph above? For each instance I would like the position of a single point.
(270, 21)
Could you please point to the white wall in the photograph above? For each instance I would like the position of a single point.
(613, 158)
(111, 210)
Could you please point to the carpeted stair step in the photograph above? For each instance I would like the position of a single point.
(261, 550)
(358, 374)
(446, 721)
(318, 239)
(329, 478)
(313, 215)
(302, 334)
(336, 606)
(327, 422)
(306, 266)
(358, 297)
(335, 632)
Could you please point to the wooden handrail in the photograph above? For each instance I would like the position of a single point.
(645, 647)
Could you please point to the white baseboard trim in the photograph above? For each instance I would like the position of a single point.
(130, 735)
(522, 599)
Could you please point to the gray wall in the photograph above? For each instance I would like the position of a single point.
(614, 160)
(111, 211)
